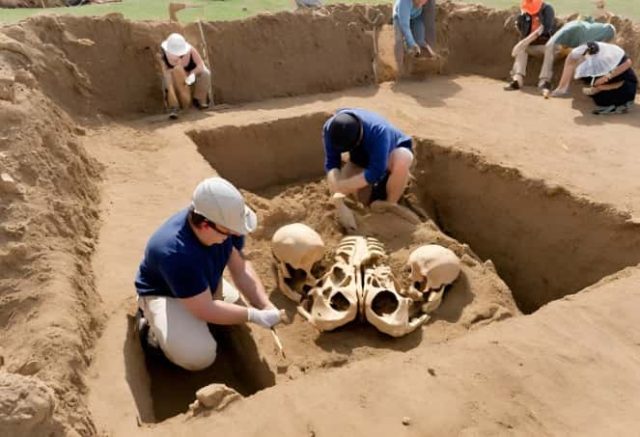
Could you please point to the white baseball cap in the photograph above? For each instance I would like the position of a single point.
(176, 45)
(220, 202)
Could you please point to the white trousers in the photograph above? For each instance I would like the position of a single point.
(185, 340)
(548, 52)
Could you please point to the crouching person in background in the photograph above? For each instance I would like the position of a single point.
(186, 80)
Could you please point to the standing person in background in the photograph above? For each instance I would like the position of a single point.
(536, 25)
(572, 35)
(414, 22)
(185, 77)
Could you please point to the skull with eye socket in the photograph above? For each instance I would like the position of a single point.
(431, 268)
(297, 249)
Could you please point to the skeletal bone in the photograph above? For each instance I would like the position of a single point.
(360, 282)
(432, 268)
(384, 307)
(334, 301)
(296, 248)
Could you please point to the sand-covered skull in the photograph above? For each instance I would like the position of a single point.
(296, 249)
(431, 268)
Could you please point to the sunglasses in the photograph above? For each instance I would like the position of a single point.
(218, 230)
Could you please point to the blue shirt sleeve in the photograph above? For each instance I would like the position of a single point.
(404, 20)
(331, 157)
(238, 242)
(379, 144)
(183, 276)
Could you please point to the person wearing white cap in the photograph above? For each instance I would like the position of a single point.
(179, 282)
(183, 69)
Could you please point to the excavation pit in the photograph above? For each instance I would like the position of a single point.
(168, 390)
(546, 244)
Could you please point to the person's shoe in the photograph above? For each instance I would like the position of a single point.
(173, 113)
(559, 93)
(603, 110)
(512, 86)
(545, 87)
(145, 335)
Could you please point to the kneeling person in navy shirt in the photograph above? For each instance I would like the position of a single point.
(379, 159)
(179, 282)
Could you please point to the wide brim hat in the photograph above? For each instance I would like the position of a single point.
(601, 63)
(176, 45)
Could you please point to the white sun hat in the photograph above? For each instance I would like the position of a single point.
(601, 63)
(176, 45)
(220, 202)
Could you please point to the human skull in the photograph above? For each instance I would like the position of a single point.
(334, 301)
(296, 249)
(385, 308)
(432, 268)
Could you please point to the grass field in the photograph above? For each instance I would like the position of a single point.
(234, 9)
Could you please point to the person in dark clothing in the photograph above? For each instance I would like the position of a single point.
(380, 156)
(606, 71)
(536, 25)
(183, 69)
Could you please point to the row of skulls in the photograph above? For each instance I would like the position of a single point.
(359, 283)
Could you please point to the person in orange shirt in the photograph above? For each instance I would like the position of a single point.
(535, 23)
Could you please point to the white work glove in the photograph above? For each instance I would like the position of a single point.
(265, 318)
(190, 79)
(589, 91)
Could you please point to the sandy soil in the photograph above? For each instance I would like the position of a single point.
(538, 208)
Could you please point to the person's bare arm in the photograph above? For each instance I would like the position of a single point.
(217, 312)
(247, 280)
(351, 184)
(200, 67)
(611, 77)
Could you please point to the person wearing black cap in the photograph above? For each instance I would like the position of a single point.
(380, 156)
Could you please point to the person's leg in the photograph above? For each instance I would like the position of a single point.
(170, 92)
(398, 48)
(201, 89)
(549, 52)
(400, 162)
(178, 77)
(227, 292)
(519, 71)
(429, 14)
(184, 339)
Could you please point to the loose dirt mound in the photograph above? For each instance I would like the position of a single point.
(48, 311)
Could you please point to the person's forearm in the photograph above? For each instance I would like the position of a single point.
(220, 312)
(251, 287)
(352, 184)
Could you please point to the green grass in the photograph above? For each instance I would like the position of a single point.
(235, 9)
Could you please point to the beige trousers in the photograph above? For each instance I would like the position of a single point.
(185, 340)
(548, 52)
(179, 94)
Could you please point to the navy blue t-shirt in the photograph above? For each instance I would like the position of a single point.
(176, 264)
(379, 139)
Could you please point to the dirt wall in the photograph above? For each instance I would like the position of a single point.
(546, 242)
(49, 315)
(110, 64)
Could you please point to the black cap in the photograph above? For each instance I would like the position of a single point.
(592, 48)
(344, 131)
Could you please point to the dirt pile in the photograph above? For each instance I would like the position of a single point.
(477, 297)
(48, 311)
